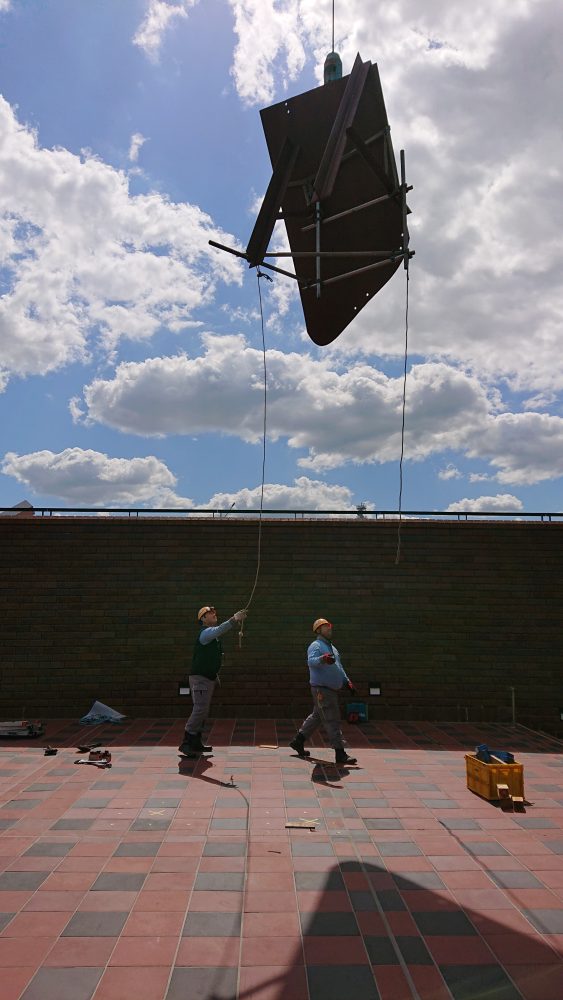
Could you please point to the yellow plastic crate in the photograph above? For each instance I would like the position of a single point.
(484, 778)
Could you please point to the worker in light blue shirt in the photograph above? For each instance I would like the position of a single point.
(327, 677)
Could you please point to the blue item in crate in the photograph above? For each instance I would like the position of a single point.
(483, 753)
(356, 711)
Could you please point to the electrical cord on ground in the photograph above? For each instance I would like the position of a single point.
(398, 555)
(259, 274)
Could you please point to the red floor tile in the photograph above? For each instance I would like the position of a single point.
(208, 951)
(272, 951)
(142, 983)
(136, 951)
(334, 951)
(271, 924)
(79, 952)
(274, 983)
(147, 923)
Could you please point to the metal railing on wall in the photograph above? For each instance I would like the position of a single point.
(282, 513)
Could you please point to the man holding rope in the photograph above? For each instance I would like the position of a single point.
(206, 663)
(327, 677)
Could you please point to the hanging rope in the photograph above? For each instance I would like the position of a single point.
(398, 556)
(259, 274)
(333, 25)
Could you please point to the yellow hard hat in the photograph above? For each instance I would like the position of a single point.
(319, 622)
(204, 610)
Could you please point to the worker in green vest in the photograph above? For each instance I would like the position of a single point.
(204, 675)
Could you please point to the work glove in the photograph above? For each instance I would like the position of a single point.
(328, 658)
(351, 687)
(239, 616)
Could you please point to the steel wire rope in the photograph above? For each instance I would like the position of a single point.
(259, 274)
(398, 555)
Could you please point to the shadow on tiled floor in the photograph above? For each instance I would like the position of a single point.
(167, 878)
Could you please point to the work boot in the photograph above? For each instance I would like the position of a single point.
(298, 744)
(200, 747)
(189, 745)
(341, 757)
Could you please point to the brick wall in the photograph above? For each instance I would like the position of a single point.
(105, 608)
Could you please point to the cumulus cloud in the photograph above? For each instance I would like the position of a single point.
(526, 448)
(89, 478)
(502, 502)
(337, 417)
(450, 472)
(306, 494)
(137, 141)
(473, 92)
(157, 20)
(85, 261)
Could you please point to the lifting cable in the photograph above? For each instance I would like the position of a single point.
(259, 274)
(398, 555)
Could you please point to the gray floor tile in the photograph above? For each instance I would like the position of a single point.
(49, 849)
(484, 847)
(223, 881)
(418, 880)
(516, 880)
(92, 803)
(311, 849)
(554, 845)
(137, 849)
(448, 923)
(479, 982)
(383, 824)
(413, 950)
(85, 923)
(390, 900)
(5, 919)
(47, 787)
(336, 982)
(546, 921)
(163, 803)
(16, 881)
(459, 824)
(212, 925)
(535, 823)
(320, 924)
(219, 983)
(362, 900)
(62, 984)
(18, 805)
(72, 824)
(229, 823)
(398, 849)
(324, 881)
(380, 950)
(224, 849)
(145, 824)
(119, 882)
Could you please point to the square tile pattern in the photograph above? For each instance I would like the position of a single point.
(168, 878)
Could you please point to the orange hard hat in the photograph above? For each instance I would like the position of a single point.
(204, 610)
(319, 622)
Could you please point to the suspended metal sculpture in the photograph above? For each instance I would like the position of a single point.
(336, 187)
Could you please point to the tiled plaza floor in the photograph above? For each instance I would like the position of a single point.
(163, 878)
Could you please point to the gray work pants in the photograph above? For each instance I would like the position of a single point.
(326, 713)
(202, 689)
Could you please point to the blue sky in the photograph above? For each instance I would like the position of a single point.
(130, 352)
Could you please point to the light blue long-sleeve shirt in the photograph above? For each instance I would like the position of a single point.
(330, 675)
(215, 631)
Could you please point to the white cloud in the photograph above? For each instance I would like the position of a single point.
(89, 478)
(157, 20)
(305, 494)
(137, 141)
(502, 502)
(479, 477)
(473, 92)
(86, 261)
(450, 472)
(526, 448)
(337, 417)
